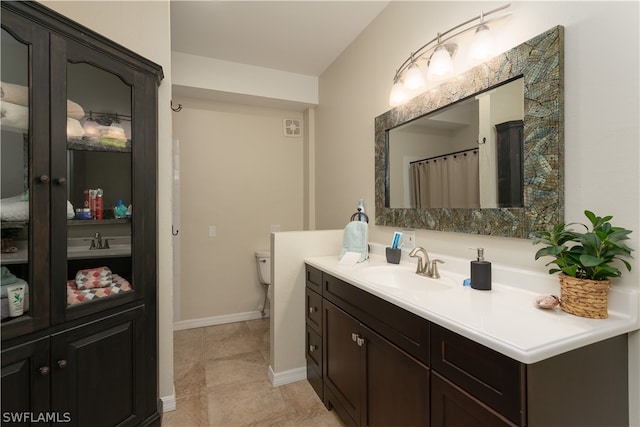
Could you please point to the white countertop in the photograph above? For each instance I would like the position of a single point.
(505, 318)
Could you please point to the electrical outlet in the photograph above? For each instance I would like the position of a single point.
(212, 231)
(409, 238)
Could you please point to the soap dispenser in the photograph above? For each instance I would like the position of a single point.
(481, 273)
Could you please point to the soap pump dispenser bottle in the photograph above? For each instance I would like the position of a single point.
(481, 272)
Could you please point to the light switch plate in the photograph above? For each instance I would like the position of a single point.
(275, 228)
(409, 238)
(212, 231)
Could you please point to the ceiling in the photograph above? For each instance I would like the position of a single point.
(302, 37)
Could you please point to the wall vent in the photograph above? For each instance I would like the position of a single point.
(292, 127)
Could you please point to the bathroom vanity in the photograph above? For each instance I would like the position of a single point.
(79, 112)
(385, 348)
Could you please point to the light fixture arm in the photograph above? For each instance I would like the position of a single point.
(440, 39)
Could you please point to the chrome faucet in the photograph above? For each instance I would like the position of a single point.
(425, 268)
(96, 242)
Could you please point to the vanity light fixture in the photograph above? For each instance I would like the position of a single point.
(438, 55)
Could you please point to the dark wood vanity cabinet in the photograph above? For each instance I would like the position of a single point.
(384, 366)
(78, 112)
(313, 341)
(474, 383)
(369, 378)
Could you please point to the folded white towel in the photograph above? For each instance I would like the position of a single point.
(16, 208)
(14, 117)
(356, 239)
(74, 110)
(74, 128)
(19, 95)
(15, 94)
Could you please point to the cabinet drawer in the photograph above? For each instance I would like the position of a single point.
(404, 329)
(314, 360)
(314, 310)
(314, 279)
(314, 349)
(452, 406)
(491, 377)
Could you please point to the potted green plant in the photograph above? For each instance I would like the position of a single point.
(587, 261)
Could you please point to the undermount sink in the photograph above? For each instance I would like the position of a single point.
(404, 278)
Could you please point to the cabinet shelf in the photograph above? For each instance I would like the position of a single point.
(13, 224)
(94, 222)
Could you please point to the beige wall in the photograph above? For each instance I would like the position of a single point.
(287, 354)
(149, 37)
(601, 117)
(240, 174)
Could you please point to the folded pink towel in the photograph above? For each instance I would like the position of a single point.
(90, 278)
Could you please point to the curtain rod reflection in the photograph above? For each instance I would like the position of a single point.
(475, 151)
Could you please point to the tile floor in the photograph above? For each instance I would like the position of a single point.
(221, 380)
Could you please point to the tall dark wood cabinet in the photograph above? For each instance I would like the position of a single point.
(78, 216)
(510, 139)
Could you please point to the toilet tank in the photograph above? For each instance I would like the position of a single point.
(263, 258)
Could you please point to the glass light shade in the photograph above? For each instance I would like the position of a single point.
(414, 79)
(441, 65)
(398, 94)
(481, 47)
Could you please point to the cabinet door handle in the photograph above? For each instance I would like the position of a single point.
(44, 178)
(354, 337)
(62, 363)
(44, 371)
(61, 180)
(312, 310)
(360, 341)
(313, 348)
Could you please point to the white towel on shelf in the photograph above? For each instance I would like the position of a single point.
(74, 128)
(356, 239)
(16, 208)
(19, 95)
(74, 110)
(15, 94)
(14, 117)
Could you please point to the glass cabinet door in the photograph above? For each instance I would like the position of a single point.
(24, 179)
(100, 205)
(93, 150)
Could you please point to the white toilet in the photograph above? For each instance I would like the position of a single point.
(263, 259)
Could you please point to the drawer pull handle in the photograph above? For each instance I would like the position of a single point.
(62, 364)
(312, 348)
(44, 371)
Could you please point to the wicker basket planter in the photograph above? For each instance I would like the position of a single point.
(584, 297)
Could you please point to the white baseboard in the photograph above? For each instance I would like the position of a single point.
(287, 377)
(218, 320)
(168, 403)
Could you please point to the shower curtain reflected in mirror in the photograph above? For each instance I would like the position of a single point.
(451, 181)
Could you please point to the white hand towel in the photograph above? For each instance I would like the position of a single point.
(356, 239)
(74, 128)
(14, 117)
(15, 94)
